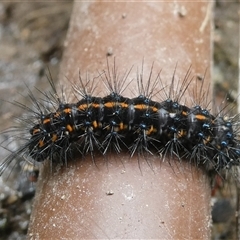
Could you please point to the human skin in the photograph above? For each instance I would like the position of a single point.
(117, 196)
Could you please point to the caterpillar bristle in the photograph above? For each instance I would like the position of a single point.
(143, 125)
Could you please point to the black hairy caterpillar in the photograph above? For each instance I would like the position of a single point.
(136, 125)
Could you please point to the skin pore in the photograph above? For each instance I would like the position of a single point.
(117, 196)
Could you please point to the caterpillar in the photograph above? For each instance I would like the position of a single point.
(58, 128)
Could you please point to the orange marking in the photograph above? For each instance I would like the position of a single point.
(95, 124)
(57, 114)
(35, 131)
(200, 117)
(207, 140)
(140, 106)
(67, 110)
(69, 128)
(151, 130)
(41, 143)
(155, 109)
(115, 104)
(181, 133)
(83, 106)
(109, 104)
(47, 120)
(95, 105)
(124, 105)
(121, 126)
(54, 137)
(184, 113)
(144, 107)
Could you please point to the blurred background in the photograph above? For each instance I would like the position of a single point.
(31, 39)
